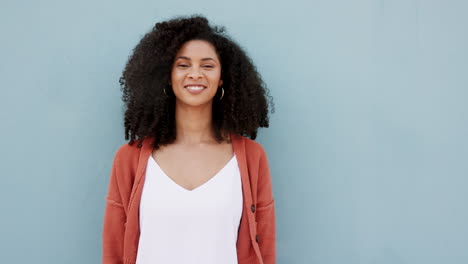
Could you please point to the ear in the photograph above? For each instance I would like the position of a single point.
(220, 82)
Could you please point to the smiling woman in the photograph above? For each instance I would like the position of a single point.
(149, 96)
(197, 187)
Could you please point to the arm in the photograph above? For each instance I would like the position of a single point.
(114, 221)
(265, 216)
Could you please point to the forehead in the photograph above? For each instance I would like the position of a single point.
(197, 49)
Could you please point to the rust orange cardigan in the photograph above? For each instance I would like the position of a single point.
(256, 242)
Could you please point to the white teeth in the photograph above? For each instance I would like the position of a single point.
(195, 87)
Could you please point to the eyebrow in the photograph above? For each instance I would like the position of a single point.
(187, 58)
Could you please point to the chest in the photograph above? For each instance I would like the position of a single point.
(191, 168)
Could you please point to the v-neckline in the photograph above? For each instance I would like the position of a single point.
(199, 186)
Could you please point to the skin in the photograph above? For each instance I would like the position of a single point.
(195, 147)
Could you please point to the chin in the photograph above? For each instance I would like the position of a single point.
(194, 102)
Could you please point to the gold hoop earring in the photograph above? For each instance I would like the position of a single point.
(222, 94)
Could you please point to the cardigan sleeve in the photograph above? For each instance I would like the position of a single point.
(114, 220)
(265, 215)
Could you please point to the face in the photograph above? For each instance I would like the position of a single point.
(196, 73)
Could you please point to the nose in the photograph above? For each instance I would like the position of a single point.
(195, 73)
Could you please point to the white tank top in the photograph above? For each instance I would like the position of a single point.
(179, 226)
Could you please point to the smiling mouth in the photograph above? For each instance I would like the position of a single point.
(195, 89)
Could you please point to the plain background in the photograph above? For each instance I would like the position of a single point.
(368, 145)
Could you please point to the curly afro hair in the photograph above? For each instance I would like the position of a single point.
(150, 102)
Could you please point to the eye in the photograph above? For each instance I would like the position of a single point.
(182, 65)
(208, 66)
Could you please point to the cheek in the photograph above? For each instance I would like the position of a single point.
(215, 75)
(176, 76)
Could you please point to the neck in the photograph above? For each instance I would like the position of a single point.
(194, 124)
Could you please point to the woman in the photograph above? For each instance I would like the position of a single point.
(194, 189)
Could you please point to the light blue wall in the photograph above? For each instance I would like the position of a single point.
(368, 146)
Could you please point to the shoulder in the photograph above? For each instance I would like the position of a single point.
(253, 145)
(127, 153)
(254, 148)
